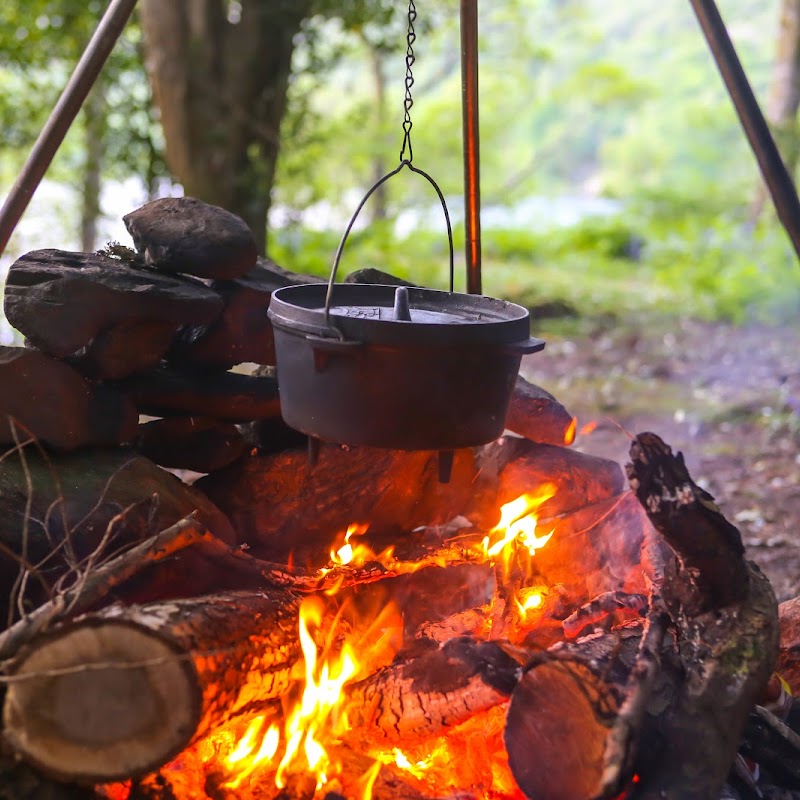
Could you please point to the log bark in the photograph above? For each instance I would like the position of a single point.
(406, 703)
(117, 694)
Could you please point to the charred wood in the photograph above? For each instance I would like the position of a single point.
(407, 702)
(726, 628)
(774, 746)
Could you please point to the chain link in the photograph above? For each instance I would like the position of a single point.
(408, 102)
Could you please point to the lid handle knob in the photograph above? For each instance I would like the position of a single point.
(401, 308)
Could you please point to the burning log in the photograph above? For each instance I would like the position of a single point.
(414, 700)
(606, 707)
(116, 694)
(538, 416)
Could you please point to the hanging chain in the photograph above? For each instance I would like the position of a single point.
(408, 102)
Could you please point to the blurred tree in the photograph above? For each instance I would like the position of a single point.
(220, 72)
(784, 95)
(40, 43)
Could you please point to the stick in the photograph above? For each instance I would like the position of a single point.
(101, 580)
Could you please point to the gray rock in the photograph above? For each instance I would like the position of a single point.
(52, 402)
(183, 234)
(60, 300)
(199, 444)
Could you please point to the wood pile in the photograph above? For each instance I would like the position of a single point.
(639, 677)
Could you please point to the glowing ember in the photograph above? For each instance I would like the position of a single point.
(530, 599)
(589, 427)
(417, 768)
(569, 433)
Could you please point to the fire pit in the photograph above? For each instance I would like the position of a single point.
(562, 650)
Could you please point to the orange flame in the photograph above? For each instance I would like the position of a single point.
(313, 716)
(367, 780)
(251, 753)
(530, 599)
(569, 433)
(318, 716)
(517, 525)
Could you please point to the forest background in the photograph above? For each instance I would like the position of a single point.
(615, 176)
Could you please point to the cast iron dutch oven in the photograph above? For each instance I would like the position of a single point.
(401, 368)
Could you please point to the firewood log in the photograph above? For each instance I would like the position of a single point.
(410, 701)
(726, 617)
(669, 708)
(562, 713)
(538, 416)
(116, 694)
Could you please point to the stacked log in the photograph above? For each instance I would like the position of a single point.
(156, 331)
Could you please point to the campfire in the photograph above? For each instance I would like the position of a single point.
(570, 640)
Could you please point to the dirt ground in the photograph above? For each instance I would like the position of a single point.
(727, 397)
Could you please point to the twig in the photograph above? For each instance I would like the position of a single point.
(101, 580)
(19, 584)
(84, 572)
(774, 745)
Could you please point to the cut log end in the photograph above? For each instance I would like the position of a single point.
(152, 703)
(560, 703)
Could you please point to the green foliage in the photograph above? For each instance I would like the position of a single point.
(41, 41)
(677, 264)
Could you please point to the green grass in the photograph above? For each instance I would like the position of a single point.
(664, 260)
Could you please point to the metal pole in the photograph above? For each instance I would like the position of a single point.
(63, 115)
(472, 157)
(776, 176)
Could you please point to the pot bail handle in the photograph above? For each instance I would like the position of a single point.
(405, 162)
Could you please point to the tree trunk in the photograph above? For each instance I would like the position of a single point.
(220, 86)
(379, 198)
(94, 116)
(784, 95)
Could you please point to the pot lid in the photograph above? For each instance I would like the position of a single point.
(399, 315)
